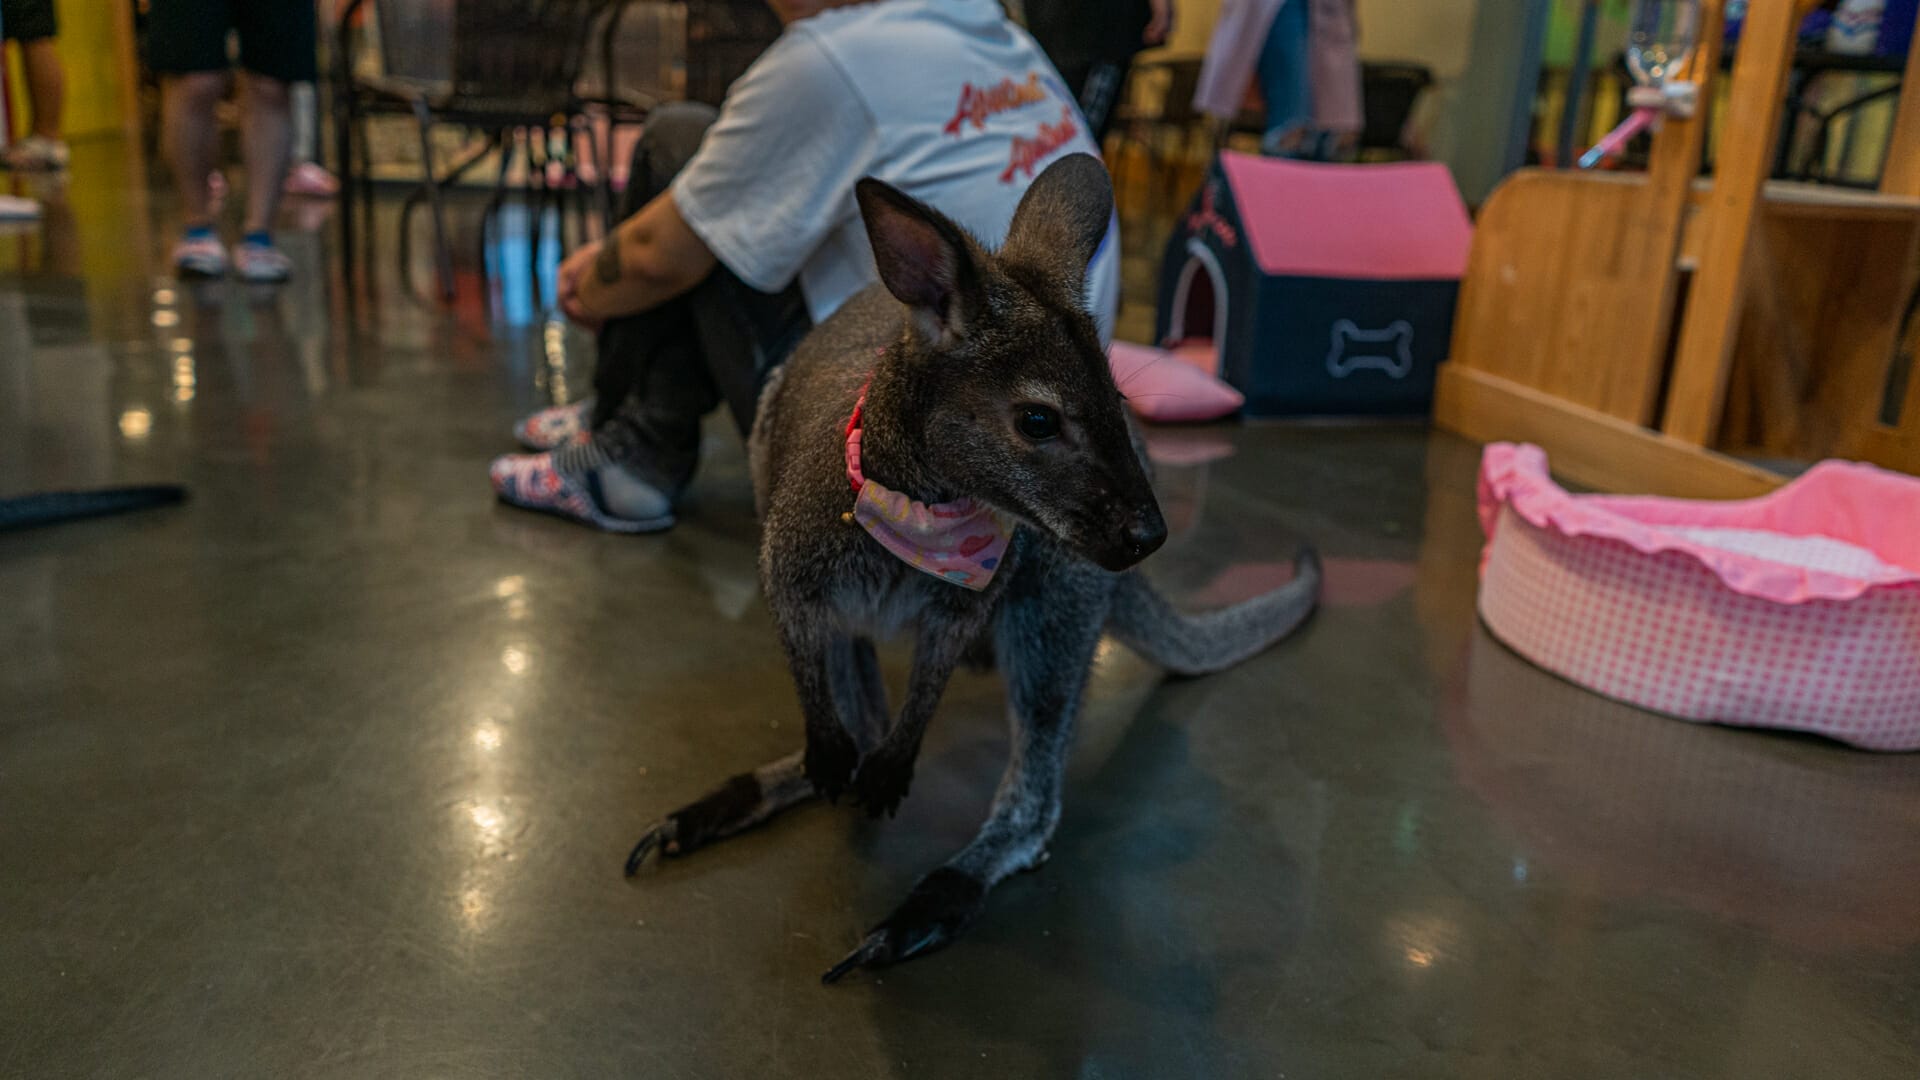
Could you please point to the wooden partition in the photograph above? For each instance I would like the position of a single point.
(1647, 328)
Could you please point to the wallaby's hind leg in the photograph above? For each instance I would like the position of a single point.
(735, 806)
(749, 799)
(1046, 649)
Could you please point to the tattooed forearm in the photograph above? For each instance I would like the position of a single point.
(606, 267)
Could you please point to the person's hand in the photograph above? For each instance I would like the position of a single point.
(1160, 25)
(567, 285)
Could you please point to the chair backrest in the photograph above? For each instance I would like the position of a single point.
(508, 48)
(413, 39)
(1388, 93)
(1183, 78)
(637, 52)
(491, 48)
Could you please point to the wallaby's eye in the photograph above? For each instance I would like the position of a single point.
(1038, 422)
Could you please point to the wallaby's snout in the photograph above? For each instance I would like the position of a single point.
(1145, 531)
(1127, 529)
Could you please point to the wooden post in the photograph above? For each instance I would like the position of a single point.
(1697, 392)
(1672, 164)
(126, 62)
(1901, 176)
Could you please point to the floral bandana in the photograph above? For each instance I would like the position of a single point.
(961, 542)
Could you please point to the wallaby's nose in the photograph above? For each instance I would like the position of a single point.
(1145, 531)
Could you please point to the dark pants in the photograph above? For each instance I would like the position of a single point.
(1097, 84)
(277, 37)
(662, 370)
(28, 20)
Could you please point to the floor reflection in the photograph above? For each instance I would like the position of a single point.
(1808, 841)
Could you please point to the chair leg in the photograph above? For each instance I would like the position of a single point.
(504, 141)
(343, 122)
(602, 172)
(404, 236)
(368, 210)
(536, 207)
(443, 255)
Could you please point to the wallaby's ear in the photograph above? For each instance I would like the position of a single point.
(926, 262)
(1062, 219)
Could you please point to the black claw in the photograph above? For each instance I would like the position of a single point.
(938, 910)
(875, 952)
(830, 762)
(639, 854)
(883, 781)
(661, 836)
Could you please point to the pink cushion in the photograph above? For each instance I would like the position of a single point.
(1162, 388)
(1198, 352)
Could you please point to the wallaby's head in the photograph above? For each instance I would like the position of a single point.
(1005, 384)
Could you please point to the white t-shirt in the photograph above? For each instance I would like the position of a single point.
(944, 99)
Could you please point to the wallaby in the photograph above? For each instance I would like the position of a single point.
(949, 454)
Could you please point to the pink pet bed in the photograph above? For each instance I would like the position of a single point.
(1800, 609)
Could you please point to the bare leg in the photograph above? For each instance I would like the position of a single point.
(753, 798)
(1046, 653)
(46, 86)
(186, 109)
(267, 143)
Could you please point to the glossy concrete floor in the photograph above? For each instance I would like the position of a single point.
(330, 772)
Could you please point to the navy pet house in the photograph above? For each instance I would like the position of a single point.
(1321, 290)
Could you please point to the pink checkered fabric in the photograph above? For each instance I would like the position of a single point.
(1655, 618)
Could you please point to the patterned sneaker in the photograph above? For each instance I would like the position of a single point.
(261, 264)
(531, 482)
(555, 427)
(37, 153)
(200, 257)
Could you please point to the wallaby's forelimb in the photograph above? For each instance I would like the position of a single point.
(831, 752)
(1047, 647)
(886, 771)
(859, 691)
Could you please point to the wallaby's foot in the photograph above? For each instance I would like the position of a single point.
(884, 777)
(735, 806)
(936, 912)
(830, 760)
(699, 823)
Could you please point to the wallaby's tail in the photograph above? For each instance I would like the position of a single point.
(1214, 640)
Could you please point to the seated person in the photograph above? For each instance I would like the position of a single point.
(742, 231)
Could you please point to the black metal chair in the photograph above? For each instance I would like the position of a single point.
(503, 69)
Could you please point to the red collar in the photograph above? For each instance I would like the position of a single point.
(854, 475)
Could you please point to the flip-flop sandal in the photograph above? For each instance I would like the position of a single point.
(530, 482)
(553, 427)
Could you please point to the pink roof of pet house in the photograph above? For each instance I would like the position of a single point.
(1318, 289)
